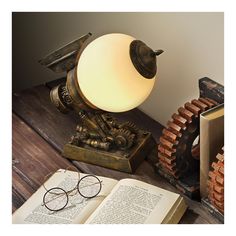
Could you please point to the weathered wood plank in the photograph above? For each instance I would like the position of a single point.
(20, 191)
(34, 107)
(33, 159)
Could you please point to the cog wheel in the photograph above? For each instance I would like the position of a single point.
(216, 183)
(176, 152)
(130, 126)
(123, 138)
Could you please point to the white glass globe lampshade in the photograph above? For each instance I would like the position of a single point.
(107, 77)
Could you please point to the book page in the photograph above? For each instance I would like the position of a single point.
(77, 210)
(134, 202)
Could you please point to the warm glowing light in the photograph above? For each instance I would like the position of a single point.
(107, 76)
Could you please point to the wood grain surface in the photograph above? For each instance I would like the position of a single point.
(39, 133)
(33, 159)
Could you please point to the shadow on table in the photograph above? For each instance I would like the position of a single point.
(189, 217)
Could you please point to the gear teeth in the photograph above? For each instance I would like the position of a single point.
(170, 168)
(164, 150)
(216, 183)
(168, 160)
(216, 196)
(130, 126)
(126, 134)
(218, 167)
(174, 132)
(217, 178)
(215, 187)
(176, 129)
(199, 104)
(169, 135)
(167, 143)
(188, 115)
(207, 102)
(194, 109)
(212, 101)
(179, 120)
(220, 157)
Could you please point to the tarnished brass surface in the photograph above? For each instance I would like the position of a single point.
(67, 96)
(126, 161)
(80, 102)
(57, 100)
(64, 58)
(144, 58)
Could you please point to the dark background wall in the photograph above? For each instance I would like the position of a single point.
(193, 45)
(37, 34)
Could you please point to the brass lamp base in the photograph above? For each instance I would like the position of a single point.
(125, 161)
(99, 138)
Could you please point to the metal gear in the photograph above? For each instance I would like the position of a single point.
(130, 126)
(176, 153)
(123, 138)
(216, 183)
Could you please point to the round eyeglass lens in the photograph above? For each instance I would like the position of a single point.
(55, 199)
(89, 186)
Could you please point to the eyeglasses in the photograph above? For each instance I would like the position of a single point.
(57, 198)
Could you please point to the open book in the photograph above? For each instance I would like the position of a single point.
(127, 201)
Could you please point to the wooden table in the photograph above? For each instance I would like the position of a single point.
(39, 133)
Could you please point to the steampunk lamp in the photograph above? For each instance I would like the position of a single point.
(113, 73)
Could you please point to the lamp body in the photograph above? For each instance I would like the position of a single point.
(107, 77)
(114, 73)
